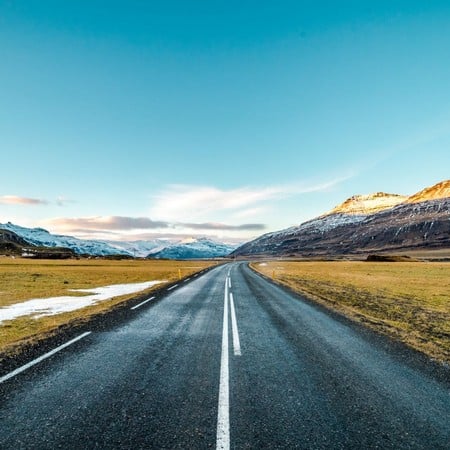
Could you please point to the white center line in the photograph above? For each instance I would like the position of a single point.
(41, 358)
(172, 287)
(229, 282)
(143, 303)
(223, 416)
(234, 327)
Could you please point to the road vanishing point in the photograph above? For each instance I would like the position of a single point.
(225, 360)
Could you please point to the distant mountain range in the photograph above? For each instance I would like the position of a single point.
(21, 240)
(361, 224)
(194, 249)
(364, 224)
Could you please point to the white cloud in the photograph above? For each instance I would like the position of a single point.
(106, 223)
(182, 202)
(251, 212)
(63, 201)
(185, 202)
(16, 200)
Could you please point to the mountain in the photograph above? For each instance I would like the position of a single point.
(140, 249)
(42, 238)
(12, 244)
(363, 224)
(16, 239)
(194, 249)
(368, 204)
(436, 192)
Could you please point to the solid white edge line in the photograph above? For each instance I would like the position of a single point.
(223, 414)
(143, 303)
(41, 358)
(172, 287)
(234, 327)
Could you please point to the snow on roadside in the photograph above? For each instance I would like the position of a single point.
(39, 307)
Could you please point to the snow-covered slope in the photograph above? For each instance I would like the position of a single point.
(352, 211)
(194, 249)
(158, 248)
(41, 237)
(140, 249)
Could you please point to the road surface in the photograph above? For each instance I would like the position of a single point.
(225, 360)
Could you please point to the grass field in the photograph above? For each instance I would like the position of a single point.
(23, 279)
(407, 300)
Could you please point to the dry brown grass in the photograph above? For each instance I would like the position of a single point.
(22, 279)
(407, 300)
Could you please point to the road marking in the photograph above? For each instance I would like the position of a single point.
(223, 415)
(143, 303)
(196, 275)
(173, 287)
(229, 282)
(41, 358)
(187, 279)
(234, 327)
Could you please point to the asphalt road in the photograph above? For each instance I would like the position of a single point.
(268, 371)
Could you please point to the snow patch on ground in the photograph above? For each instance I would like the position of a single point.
(39, 307)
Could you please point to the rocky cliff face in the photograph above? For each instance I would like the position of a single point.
(362, 224)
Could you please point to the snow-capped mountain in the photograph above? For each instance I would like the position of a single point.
(42, 238)
(365, 223)
(157, 248)
(140, 249)
(194, 249)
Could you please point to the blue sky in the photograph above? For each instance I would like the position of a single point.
(135, 119)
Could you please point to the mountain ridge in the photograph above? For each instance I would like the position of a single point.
(406, 225)
(368, 204)
(196, 249)
(435, 192)
(39, 237)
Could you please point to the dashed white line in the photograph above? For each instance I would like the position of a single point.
(143, 303)
(223, 415)
(187, 279)
(172, 287)
(41, 358)
(234, 327)
(229, 282)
